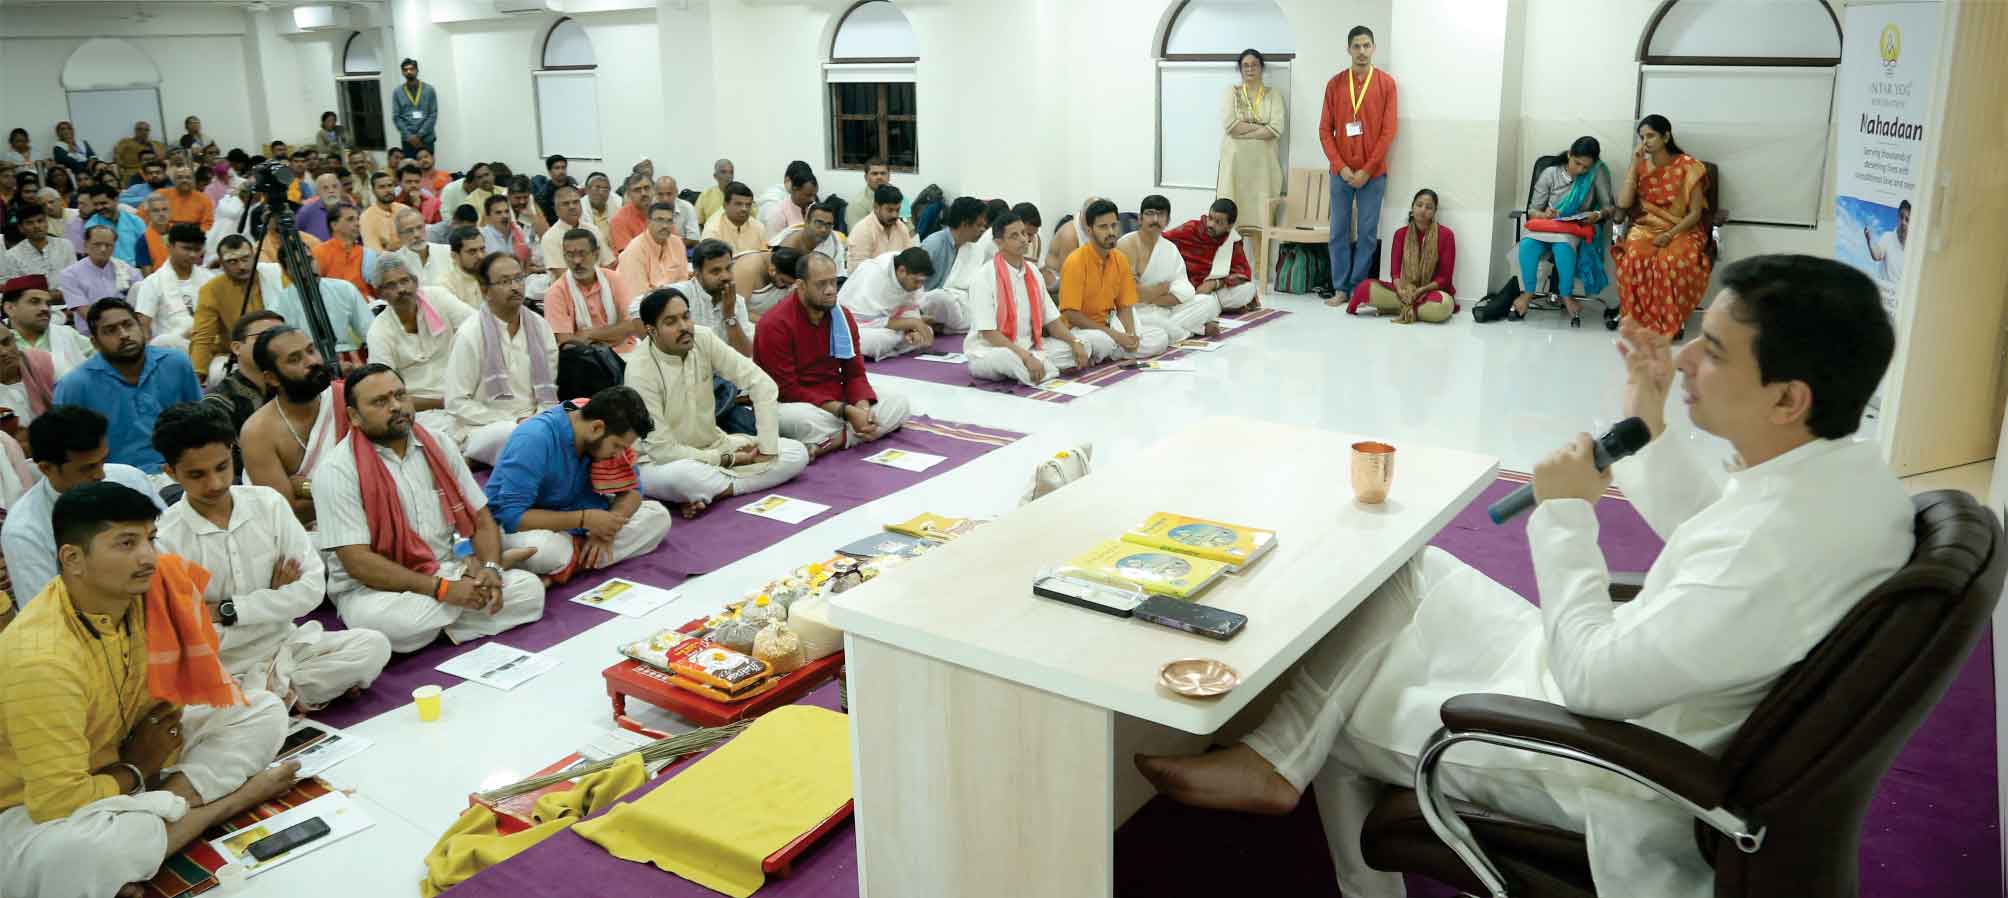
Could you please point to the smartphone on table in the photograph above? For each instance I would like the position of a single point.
(1191, 617)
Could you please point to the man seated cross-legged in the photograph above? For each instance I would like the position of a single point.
(414, 336)
(264, 572)
(688, 459)
(101, 778)
(289, 437)
(1755, 573)
(566, 485)
(1098, 293)
(1018, 333)
(809, 345)
(411, 549)
(1215, 263)
(504, 365)
(67, 444)
(884, 296)
(1165, 299)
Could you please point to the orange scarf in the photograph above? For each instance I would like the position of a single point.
(1007, 308)
(182, 661)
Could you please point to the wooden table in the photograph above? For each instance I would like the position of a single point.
(992, 730)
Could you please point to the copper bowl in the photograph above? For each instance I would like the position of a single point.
(1198, 677)
(1373, 471)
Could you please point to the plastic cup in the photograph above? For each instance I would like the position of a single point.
(427, 698)
(230, 878)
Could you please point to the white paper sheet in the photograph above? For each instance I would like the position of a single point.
(905, 460)
(1169, 365)
(500, 666)
(951, 358)
(318, 747)
(1196, 345)
(341, 813)
(627, 598)
(784, 509)
(1068, 387)
(1231, 324)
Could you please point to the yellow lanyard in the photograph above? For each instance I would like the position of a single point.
(1360, 97)
(413, 96)
(1254, 103)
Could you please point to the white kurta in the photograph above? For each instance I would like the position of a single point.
(951, 300)
(265, 649)
(1754, 574)
(680, 459)
(432, 271)
(488, 422)
(410, 620)
(66, 347)
(420, 358)
(553, 243)
(169, 301)
(987, 362)
(875, 297)
(1167, 266)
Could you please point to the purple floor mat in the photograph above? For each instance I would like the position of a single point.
(957, 375)
(842, 480)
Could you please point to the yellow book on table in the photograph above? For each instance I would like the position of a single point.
(1159, 572)
(940, 528)
(1230, 544)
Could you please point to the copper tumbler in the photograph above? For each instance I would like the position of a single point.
(1373, 471)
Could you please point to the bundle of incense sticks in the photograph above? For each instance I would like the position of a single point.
(655, 755)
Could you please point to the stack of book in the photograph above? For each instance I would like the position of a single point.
(1178, 556)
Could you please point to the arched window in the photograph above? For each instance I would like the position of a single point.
(1749, 87)
(359, 90)
(1197, 49)
(870, 75)
(568, 90)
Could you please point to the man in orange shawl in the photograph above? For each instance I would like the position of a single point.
(112, 680)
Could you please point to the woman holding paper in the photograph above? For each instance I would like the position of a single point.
(1565, 220)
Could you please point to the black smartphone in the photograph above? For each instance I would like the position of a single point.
(1085, 594)
(1205, 620)
(288, 839)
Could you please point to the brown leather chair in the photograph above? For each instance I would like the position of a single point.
(1780, 812)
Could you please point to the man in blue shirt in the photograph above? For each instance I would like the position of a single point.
(152, 177)
(99, 205)
(129, 382)
(414, 107)
(565, 484)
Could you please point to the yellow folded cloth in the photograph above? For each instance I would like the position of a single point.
(714, 823)
(474, 843)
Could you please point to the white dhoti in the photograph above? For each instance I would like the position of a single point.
(948, 308)
(443, 425)
(1236, 297)
(411, 621)
(92, 853)
(1151, 341)
(813, 427)
(319, 665)
(881, 343)
(1179, 322)
(999, 363)
(690, 480)
(1308, 739)
(484, 443)
(644, 531)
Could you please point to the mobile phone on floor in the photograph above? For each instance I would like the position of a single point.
(1086, 594)
(288, 839)
(1204, 620)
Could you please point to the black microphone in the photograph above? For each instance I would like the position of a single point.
(1625, 437)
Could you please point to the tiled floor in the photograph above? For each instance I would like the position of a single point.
(1514, 390)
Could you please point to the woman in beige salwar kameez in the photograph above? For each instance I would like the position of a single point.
(1252, 114)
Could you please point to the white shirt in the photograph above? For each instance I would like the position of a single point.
(703, 306)
(873, 293)
(419, 358)
(1754, 574)
(240, 558)
(66, 348)
(29, 538)
(341, 521)
(463, 375)
(983, 307)
(687, 225)
(834, 246)
(170, 302)
(432, 270)
(1892, 257)
(14, 398)
(23, 258)
(553, 243)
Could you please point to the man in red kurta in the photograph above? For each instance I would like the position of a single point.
(1214, 262)
(826, 401)
(1357, 129)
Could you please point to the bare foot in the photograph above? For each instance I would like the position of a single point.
(132, 890)
(1337, 302)
(1213, 328)
(1232, 779)
(1254, 305)
(692, 509)
(514, 558)
(828, 446)
(1520, 304)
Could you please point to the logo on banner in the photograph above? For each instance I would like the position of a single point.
(1891, 46)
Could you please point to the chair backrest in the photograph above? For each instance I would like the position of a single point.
(1808, 760)
(1540, 165)
(1307, 199)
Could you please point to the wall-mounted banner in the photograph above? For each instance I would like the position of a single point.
(1882, 106)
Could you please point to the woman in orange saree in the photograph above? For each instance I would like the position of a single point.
(1663, 264)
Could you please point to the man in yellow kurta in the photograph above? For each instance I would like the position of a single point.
(100, 781)
(735, 223)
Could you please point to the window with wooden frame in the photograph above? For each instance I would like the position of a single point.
(871, 89)
(359, 91)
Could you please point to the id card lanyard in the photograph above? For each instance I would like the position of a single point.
(1356, 127)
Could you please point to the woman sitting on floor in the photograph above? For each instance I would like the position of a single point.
(1425, 257)
(1663, 264)
(1581, 186)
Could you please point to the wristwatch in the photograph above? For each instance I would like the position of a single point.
(492, 566)
(731, 321)
(226, 612)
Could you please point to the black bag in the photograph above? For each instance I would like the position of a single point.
(587, 368)
(1496, 304)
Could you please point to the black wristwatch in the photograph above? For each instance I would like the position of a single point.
(226, 611)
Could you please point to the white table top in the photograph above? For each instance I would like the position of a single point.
(970, 602)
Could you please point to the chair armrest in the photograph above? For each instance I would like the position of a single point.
(1673, 765)
(1626, 585)
(1517, 214)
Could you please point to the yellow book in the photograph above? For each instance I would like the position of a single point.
(936, 527)
(1163, 573)
(1230, 544)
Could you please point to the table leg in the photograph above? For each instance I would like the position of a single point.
(973, 786)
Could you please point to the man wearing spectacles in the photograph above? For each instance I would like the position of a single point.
(504, 365)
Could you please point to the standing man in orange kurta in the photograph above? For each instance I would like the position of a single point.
(1357, 129)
